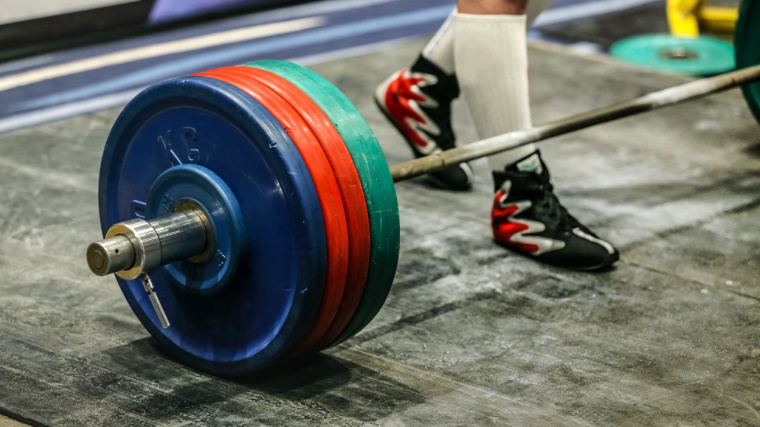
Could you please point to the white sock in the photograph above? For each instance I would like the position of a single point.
(440, 49)
(491, 59)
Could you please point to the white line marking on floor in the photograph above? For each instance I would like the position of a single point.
(158, 50)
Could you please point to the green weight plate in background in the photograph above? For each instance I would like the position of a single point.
(747, 42)
(699, 56)
(377, 183)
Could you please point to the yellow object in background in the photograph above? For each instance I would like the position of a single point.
(686, 17)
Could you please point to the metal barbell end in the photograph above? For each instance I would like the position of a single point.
(108, 256)
(135, 247)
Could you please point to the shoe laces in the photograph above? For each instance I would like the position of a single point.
(548, 202)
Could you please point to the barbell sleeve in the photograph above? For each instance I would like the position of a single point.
(135, 247)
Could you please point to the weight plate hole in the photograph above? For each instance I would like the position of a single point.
(678, 54)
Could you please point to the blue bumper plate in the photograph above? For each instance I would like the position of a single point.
(274, 291)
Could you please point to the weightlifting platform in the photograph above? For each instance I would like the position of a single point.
(470, 334)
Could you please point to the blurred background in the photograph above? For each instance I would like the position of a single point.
(59, 59)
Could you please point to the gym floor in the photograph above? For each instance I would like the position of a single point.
(471, 334)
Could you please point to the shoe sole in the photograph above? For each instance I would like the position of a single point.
(599, 268)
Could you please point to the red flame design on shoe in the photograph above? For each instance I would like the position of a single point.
(402, 98)
(513, 232)
(505, 228)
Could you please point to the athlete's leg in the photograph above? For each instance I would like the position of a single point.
(493, 7)
(440, 49)
(490, 58)
(417, 101)
(490, 61)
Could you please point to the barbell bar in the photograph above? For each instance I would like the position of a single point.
(650, 102)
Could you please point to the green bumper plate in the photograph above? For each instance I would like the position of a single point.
(747, 42)
(698, 56)
(375, 176)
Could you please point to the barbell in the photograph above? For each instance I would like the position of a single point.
(250, 217)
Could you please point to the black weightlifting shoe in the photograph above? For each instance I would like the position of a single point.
(417, 101)
(527, 218)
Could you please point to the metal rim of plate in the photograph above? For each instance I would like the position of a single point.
(351, 191)
(695, 56)
(379, 191)
(259, 317)
(747, 44)
(336, 228)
